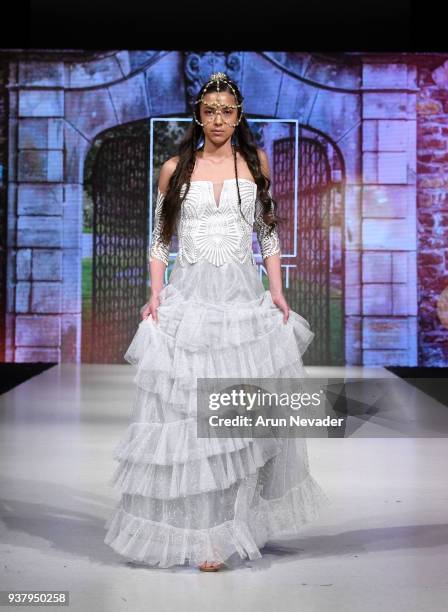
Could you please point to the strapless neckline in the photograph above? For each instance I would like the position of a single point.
(223, 181)
(212, 183)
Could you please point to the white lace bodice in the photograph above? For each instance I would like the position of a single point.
(211, 226)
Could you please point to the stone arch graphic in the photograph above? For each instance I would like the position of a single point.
(57, 108)
(119, 240)
(316, 281)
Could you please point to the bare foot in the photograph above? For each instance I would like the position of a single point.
(211, 567)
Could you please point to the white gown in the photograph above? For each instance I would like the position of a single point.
(186, 499)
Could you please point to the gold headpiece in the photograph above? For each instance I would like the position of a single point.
(217, 105)
(219, 76)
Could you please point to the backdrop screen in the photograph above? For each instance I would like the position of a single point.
(357, 152)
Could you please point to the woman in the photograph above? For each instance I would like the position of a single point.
(187, 499)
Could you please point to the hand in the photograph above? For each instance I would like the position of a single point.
(151, 308)
(280, 301)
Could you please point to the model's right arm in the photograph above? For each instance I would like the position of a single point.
(158, 253)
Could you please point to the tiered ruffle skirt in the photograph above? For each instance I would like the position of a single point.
(187, 499)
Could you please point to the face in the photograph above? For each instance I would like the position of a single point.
(218, 116)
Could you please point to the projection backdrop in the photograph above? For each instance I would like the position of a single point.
(357, 145)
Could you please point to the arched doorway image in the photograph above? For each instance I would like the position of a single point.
(321, 249)
(117, 225)
(115, 218)
(308, 184)
(121, 170)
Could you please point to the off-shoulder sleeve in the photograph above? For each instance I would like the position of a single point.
(158, 249)
(269, 241)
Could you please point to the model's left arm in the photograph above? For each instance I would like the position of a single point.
(270, 248)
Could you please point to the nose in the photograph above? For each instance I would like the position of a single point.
(218, 118)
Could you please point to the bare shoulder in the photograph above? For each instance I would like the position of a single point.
(264, 161)
(166, 171)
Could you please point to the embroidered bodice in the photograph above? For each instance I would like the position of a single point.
(211, 226)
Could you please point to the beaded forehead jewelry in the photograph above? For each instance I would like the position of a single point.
(217, 105)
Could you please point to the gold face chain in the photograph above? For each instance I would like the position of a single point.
(217, 106)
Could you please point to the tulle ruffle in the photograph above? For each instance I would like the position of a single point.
(152, 407)
(187, 499)
(163, 545)
(172, 442)
(199, 340)
(193, 476)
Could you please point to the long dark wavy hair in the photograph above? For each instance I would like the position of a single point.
(243, 141)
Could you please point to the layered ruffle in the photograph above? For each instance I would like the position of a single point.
(193, 476)
(171, 442)
(164, 545)
(151, 406)
(200, 340)
(187, 499)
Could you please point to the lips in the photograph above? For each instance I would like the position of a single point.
(217, 132)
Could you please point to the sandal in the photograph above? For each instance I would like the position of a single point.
(212, 567)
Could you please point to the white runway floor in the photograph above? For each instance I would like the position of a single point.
(382, 545)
